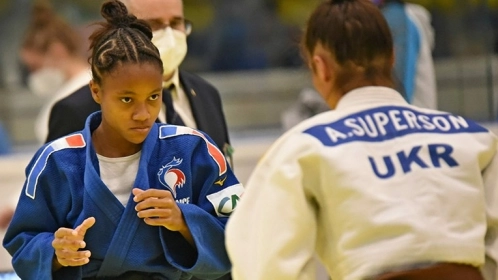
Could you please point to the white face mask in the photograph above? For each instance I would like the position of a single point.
(172, 46)
(46, 81)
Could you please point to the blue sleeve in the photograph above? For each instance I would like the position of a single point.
(31, 231)
(406, 39)
(214, 201)
(412, 55)
(5, 145)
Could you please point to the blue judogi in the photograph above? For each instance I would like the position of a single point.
(63, 187)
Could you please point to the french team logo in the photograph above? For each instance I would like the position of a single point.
(172, 178)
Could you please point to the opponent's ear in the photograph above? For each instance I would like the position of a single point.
(322, 69)
(96, 92)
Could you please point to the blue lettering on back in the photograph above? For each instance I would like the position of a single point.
(407, 160)
(437, 153)
(389, 122)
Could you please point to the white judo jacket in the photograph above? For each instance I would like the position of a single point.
(373, 186)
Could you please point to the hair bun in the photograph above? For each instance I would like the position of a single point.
(42, 14)
(116, 13)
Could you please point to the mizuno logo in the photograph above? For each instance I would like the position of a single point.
(221, 181)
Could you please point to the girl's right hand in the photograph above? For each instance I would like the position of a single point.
(67, 242)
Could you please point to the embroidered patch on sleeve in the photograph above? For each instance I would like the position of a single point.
(71, 141)
(225, 201)
(166, 131)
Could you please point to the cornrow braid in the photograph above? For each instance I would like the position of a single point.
(122, 38)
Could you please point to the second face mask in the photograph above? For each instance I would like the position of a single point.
(172, 46)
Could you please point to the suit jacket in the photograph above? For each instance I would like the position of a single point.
(68, 115)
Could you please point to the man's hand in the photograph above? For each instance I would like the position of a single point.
(68, 241)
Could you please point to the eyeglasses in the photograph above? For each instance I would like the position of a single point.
(180, 24)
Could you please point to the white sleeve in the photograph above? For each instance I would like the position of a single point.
(272, 232)
(490, 176)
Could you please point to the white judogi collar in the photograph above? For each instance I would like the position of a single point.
(370, 96)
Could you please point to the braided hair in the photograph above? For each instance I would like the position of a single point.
(122, 38)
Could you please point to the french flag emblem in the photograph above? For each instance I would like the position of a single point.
(166, 131)
(68, 142)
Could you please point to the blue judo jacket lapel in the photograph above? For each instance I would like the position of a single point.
(98, 192)
(129, 223)
(124, 219)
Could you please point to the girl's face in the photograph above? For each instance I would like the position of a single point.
(130, 99)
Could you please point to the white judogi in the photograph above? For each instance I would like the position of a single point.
(373, 186)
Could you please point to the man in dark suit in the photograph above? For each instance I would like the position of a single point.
(188, 99)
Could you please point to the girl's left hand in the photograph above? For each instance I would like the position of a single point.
(158, 208)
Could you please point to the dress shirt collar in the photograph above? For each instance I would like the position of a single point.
(175, 80)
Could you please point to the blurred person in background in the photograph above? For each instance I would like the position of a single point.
(308, 104)
(378, 188)
(188, 99)
(413, 36)
(52, 52)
